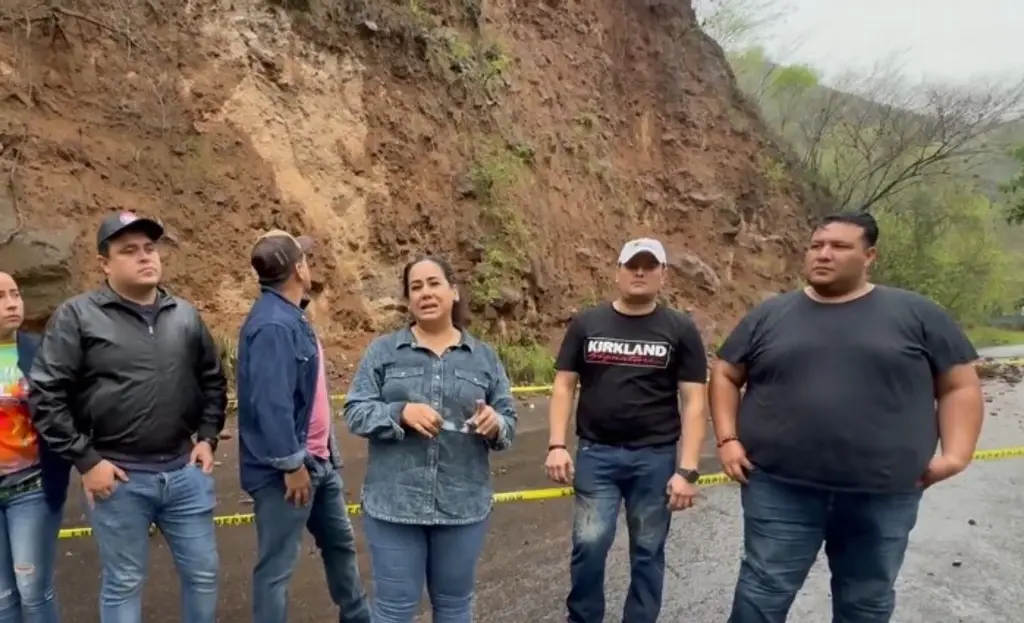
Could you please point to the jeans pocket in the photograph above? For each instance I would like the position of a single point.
(204, 484)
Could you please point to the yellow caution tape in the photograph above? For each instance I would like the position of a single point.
(534, 495)
(999, 454)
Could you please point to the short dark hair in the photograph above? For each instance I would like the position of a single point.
(276, 254)
(275, 285)
(860, 218)
(459, 312)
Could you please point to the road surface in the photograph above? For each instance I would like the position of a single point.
(1002, 352)
(964, 564)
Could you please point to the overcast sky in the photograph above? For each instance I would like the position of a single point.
(937, 40)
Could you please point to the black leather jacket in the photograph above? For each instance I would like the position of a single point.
(110, 382)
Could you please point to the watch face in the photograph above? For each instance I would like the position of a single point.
(689, 475)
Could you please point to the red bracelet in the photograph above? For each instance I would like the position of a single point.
(726, 440)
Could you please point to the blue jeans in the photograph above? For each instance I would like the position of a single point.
(279, 528)
(605, 477)
(404, 557)
(784, 526)
(28, 546)
(180, 503)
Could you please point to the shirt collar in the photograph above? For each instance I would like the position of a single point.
(407, 339)
(275, 295)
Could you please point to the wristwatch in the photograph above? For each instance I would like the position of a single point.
(689, 475)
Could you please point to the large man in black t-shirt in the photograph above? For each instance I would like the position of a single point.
(849, 387)
(632, 359)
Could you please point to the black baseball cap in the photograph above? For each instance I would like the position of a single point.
(276, 254)
(120, 222)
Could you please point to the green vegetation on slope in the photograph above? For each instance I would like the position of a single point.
(1014, 189)
(527, 364)
(982, 337)
(928, 161)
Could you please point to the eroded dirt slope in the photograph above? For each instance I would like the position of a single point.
(526, 140)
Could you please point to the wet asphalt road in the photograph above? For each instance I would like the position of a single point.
(1002, 352)
(964, 563)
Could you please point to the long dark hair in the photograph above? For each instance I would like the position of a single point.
(459, 312)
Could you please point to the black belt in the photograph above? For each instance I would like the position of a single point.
(6, 493)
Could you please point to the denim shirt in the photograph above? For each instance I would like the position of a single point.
(278, 364)
(411, 479)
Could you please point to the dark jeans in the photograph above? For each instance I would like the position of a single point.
(605, 477)
(180, 503)
(404, 557)
(784, 526)
(279, 528)
(28, 547)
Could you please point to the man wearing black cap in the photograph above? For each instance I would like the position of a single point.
(289, 458)
(127, 385)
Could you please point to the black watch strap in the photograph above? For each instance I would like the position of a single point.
(210, 440)
(689, 475)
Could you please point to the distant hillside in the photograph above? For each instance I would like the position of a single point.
(795, 104)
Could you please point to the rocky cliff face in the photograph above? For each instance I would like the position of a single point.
(525, 140)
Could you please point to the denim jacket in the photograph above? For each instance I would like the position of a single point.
(278, 363)
(411, 479)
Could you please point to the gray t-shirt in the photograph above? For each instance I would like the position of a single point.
(842, 396)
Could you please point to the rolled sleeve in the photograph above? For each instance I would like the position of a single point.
(367, 414)
(500, 398)
(506, 433)
(288, 463)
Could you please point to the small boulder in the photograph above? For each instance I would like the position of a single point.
(41, 264)
(695, 270)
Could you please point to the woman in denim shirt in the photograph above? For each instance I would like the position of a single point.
(433, 401)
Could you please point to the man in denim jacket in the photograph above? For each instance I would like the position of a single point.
(289, 456)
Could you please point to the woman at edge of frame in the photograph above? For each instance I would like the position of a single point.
(33, 480)
(434, 402)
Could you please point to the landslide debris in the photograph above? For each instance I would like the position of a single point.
(525, 140)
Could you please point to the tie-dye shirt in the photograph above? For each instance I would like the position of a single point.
(19, 448)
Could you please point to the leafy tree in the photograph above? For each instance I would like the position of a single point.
(776, 89)
(943, 241)
(873, 137)
(923, 158)
(1014, 190)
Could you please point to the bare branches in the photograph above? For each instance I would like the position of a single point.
(53, 17)
(737, 24)
(872, 138)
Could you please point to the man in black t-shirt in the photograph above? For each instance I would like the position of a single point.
(849, 387)
(632, 359)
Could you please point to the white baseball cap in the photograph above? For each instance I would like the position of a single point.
(634, 248)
